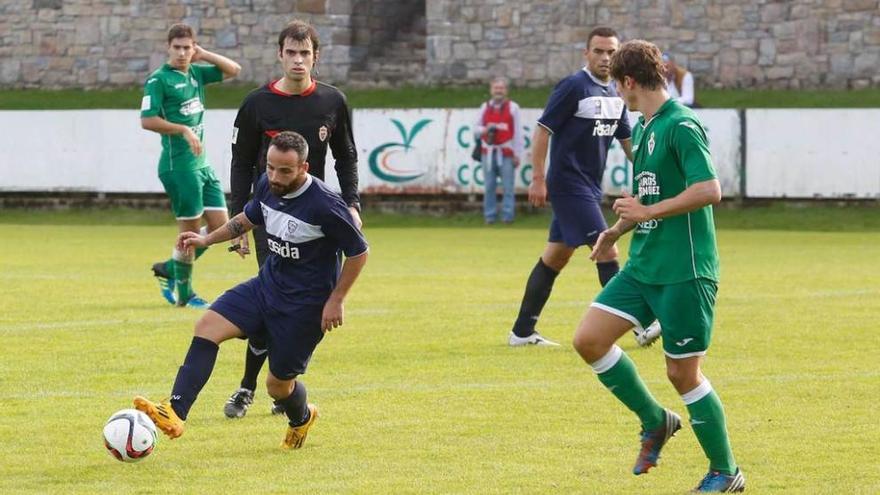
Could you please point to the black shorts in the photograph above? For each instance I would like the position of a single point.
(577, 220)
(291, 333)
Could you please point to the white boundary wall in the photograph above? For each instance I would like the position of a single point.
(790, 153)
(813, 153)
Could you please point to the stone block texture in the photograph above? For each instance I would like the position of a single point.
(725, 43)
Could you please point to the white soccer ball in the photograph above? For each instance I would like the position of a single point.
(130, 435)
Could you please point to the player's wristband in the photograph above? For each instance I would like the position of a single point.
(356, 205)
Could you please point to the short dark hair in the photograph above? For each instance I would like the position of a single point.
(181, 30)
(291, 141)
(602, 32)
(640, 60)
(300, 31)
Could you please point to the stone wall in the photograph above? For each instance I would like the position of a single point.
(725, 43)
(106, 43)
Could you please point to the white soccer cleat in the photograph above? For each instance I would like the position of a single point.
(533, 339)
(649, 335)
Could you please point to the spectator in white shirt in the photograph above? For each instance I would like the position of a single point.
(679, 82)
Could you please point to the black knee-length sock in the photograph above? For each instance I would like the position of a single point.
(253, 363)
(538, 289)
(296, 405)
(607, 270)
(193, 374)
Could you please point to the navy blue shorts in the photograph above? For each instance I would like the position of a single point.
(577, 220)
(290, 333)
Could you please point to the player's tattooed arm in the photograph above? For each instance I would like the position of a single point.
(238, 225)
(235, 227)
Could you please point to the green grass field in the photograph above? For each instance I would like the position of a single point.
(231, 95)
(418, 391)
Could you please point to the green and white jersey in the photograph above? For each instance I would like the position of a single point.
(671, 153)
(179, 98)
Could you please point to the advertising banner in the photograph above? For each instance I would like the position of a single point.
(417, 151)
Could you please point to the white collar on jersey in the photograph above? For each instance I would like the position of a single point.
(595, 80)
(301, 188)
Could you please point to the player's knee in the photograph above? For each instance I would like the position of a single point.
(587, 346)
(278, 389)
(210, 328)
(556, 260)
(682, 377)
(203, 328)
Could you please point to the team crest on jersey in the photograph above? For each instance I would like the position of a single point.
(322, 133)
(292, 225)
(651, 144)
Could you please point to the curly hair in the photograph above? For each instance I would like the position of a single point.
(640, 60)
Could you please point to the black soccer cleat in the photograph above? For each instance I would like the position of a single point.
(238, 403)
(166, 282)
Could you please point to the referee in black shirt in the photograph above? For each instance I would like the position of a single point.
(318, 112)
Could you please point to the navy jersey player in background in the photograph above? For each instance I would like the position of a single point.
(317, 111)
(584, 113)
(297, 296)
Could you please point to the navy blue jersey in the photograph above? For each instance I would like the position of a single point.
(583, 115)
(307, 231)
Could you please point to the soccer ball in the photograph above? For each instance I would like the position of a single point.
(129, 435)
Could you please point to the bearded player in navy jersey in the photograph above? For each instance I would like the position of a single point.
(317, 111)
(296, 298)
(584, 113)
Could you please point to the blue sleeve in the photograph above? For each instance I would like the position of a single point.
(339, 226)
(624, 129)
(253, 210)
(563, 103)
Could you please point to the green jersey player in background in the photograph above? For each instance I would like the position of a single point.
(174, 106)
(671, 274)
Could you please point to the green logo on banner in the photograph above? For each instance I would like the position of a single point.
(380, 155)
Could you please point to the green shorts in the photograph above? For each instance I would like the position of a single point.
(685, 310)
(193, 191)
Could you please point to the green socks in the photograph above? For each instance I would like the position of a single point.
(707, 420)
(618, 373)
(183, 266)
(180, 266)
(183, 280)
(201, 251)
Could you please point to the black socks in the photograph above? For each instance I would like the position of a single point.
(296, 405)
(253, 363)
(607, 270)
(193, 375)
(538, 289)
